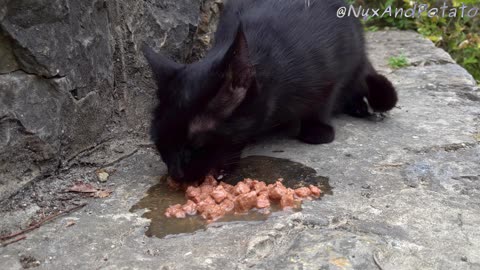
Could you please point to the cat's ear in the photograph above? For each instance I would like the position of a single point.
(238, 77)
(238, 61)
(163, 68)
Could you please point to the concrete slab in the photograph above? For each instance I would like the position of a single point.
(406, 192)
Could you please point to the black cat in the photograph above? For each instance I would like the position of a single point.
(272, 62)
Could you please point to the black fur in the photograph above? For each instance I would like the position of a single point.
(273, 62)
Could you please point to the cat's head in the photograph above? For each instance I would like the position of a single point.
(192, 127)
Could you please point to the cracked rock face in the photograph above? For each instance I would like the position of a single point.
(71, 76)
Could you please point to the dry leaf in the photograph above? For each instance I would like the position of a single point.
(89, 188)
(83, 188)
(102, 193)
(70, 223)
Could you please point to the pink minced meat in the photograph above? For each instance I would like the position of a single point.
(245, 202)
(219, 194)
(242, 188)
(263, 201)
(315, 190)
(303, 192)
(175, 211)
(190, 208)
(276, 191)
(212, 199)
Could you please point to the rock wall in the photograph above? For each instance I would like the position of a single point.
(72, 75)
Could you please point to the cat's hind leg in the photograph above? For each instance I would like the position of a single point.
(367, 93)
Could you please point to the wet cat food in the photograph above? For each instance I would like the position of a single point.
(212, 199)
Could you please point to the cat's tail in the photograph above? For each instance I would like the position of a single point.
(381, 95)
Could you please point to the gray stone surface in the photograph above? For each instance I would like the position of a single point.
(207, 25)
(406, 192)
(72, 76)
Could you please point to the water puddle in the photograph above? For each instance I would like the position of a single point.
(263, 168)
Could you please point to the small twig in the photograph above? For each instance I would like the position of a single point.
(146, 145)
(390, 165)
(14, 240)
(41, 222)
(120, 158)
(377, 263)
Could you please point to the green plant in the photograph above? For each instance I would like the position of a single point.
(398, 61)
(459, 36)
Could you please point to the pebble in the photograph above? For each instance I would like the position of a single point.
(279, 226)
(431, 86)
(102, 176)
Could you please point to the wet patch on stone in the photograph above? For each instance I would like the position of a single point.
(263, 168)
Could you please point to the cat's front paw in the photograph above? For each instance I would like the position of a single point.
(317, 134)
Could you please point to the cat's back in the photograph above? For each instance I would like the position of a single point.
(283, 18)
(292, 35)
